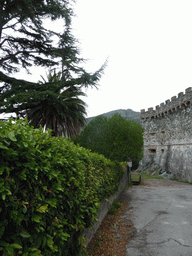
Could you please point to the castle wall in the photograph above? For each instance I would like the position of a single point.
(168, 136)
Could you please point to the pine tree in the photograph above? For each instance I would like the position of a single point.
(25, 41)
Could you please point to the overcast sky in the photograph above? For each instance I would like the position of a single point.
(149, 48)
(148, 44)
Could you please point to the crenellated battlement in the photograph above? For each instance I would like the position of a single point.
(169, 105)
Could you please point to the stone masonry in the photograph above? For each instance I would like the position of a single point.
(168, 136)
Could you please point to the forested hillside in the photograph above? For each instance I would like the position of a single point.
(126, 113)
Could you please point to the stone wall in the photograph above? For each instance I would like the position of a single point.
(104, 208)
(168, 136)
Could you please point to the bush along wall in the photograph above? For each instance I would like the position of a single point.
(50, 191)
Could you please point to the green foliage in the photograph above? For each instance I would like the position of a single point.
(116, 138)
(50, 191)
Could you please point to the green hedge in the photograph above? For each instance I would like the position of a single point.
(50, 191)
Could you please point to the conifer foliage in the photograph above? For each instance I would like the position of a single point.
(25, 41)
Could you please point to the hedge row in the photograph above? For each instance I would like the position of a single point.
(50, 191)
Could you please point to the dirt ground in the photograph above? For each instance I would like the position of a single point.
(116, 230)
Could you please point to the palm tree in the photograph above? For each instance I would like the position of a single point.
(60, 110)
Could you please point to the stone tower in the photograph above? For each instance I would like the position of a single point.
(168, 135)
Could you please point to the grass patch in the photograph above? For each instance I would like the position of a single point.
(183, 181)
(135, 176)
(114, 207)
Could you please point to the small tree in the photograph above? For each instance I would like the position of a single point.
(94, 135)
(125, 139)
(116, 138)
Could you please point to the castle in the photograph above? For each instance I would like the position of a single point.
(168, 136)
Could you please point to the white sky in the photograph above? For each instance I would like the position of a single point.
(148, 44)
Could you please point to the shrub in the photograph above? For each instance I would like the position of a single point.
(50, 191)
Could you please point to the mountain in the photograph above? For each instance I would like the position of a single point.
(127, 113)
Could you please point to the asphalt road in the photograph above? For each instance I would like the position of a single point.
(162, 215)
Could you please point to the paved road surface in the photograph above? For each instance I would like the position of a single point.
(162, 214)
